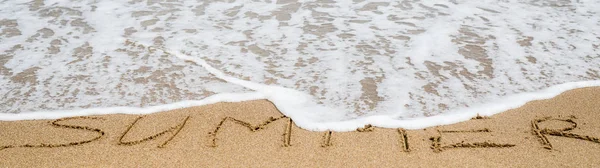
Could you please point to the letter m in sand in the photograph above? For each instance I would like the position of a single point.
(218, 132)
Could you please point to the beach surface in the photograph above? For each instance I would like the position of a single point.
(410, 64)
(255, 134)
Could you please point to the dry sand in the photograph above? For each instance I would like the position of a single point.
(235, 144)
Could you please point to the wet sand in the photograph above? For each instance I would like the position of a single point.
(255, 134)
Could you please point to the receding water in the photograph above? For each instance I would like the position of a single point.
(357, 58)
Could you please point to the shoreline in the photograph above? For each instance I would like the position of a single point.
(487, 109)
(254, 133)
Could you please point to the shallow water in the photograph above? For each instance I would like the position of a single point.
(405, 59)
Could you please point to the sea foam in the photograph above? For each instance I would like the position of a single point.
(334, 65)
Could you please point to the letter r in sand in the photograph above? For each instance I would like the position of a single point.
(541, 133)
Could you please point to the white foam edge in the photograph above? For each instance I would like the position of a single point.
(56, 114)
(487, 109)
(303, 109)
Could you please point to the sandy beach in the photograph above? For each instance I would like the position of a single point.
(255, 134)
(350, 63)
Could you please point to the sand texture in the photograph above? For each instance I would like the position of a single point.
(556, 132)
